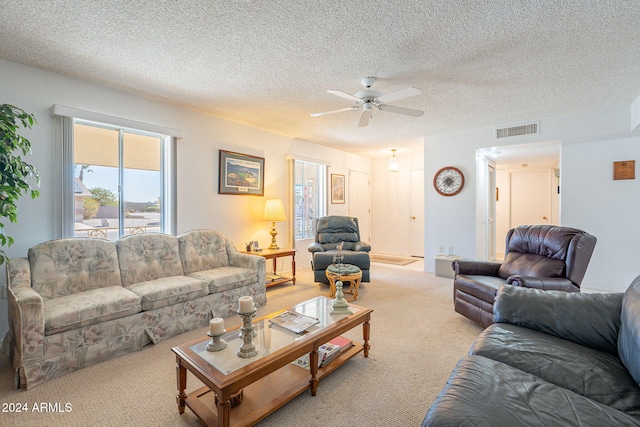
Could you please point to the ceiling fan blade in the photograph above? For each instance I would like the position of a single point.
(333, 111)
(364, 118)
(401, 110)
(404, 93)
(344, 95)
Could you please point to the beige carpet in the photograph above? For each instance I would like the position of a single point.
(416, 339)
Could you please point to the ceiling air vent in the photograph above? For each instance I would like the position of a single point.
(517, 130)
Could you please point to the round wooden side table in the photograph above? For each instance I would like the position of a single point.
(344, 273)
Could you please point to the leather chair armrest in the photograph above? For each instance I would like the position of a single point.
(315, 247)
(482, 268)
(592, 320)
(362, 247)
(542, 283)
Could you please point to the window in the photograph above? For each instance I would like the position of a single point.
(119, 180)
(309, 196)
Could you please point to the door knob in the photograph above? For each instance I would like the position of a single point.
(544, 217)
(413, 217)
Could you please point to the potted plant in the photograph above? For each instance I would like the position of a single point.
(15, 173)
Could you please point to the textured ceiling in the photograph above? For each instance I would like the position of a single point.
(268, 64)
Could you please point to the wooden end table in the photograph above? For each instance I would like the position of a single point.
(354, 280)
(274, 278)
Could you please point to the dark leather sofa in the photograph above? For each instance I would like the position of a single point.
(537, 256)
(331, 231)
(551, 359)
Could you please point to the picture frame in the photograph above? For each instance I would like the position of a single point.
(337, 189)
(240, 174)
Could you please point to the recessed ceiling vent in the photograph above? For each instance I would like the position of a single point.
(529, 129)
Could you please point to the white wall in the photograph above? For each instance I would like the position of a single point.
(590, 199)
(199, 204)
(608, 209)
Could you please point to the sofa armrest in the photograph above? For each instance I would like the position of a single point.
(543, 283)
(315, 247)
(26, 314)
(482, 268)
(361, 247)
(250, 261)
(592, 320)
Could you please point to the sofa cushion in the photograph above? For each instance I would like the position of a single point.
(629, 336)
(527, 264)
(202, 250)
(485, 392)
(168, 290)
(594, 374)
(88, 308)
(225, 278)
(148, 256)
(592, 320)
(67, 266)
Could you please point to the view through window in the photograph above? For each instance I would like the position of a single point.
(118, 181)
(309, 197)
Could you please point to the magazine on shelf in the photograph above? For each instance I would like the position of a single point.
(326, 353)
(294, 321)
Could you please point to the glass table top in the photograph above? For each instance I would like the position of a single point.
(268, 337)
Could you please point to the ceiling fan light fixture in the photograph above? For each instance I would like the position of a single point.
(368, 99)
(394, 166)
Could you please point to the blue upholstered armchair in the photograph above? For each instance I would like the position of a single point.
(330, 231)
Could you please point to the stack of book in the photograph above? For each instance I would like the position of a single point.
(327, 352)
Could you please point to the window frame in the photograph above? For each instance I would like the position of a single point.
(67, 117)
(322, 195)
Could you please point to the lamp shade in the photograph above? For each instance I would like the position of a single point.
(274, 210)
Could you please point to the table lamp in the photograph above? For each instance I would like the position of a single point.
(274, 211)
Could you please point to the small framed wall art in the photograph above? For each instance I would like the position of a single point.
(624, 170)
(241, 174)
(337, 188)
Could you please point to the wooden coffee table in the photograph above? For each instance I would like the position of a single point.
(241, 391)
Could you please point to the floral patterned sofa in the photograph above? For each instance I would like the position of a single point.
(76, 302)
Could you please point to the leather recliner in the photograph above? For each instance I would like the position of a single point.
(537, 256)
(330, 231)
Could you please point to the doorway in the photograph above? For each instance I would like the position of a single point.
(524, 190)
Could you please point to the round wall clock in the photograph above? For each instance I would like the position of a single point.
(448, 181)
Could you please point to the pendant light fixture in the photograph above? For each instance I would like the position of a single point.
(393, 162)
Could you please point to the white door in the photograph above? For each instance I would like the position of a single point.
(531, 198)
(360, 202)
(417, 213)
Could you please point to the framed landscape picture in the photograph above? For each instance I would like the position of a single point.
(241, 174)
(337, 188)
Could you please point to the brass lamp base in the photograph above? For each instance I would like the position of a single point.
(274, 233)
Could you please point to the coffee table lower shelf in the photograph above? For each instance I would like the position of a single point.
(266, 395)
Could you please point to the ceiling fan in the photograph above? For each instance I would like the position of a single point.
(370, 99)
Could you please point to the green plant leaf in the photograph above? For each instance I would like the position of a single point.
(16, 175)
